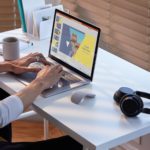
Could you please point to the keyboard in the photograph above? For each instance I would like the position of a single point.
(66, 75)
(70, 77)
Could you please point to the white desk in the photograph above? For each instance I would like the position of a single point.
(98, 124)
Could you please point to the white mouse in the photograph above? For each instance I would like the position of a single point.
(78, 97)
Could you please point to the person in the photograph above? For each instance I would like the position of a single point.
(13, 105)
(74, 45)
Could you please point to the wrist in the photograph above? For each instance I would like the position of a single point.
(7, 67)
(38, 84)
(11, 67)
(30, 92)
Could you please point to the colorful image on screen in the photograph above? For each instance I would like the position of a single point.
(71, 40)
(74, 43)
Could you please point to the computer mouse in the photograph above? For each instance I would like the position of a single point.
(79, 97)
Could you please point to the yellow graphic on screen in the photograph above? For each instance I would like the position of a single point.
(57, 31)
(85, 52)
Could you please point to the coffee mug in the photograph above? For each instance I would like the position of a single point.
(11, 48)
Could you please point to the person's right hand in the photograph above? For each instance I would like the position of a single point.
(49, 76)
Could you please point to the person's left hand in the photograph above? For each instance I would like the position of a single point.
(21, 65)
(19, 69)
(32, 57)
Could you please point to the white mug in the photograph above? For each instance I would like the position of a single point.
(11, 48)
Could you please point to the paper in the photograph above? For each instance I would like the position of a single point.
(38, 18)
(35, 23)
(43, 21)
(29, 6)
(45, 29)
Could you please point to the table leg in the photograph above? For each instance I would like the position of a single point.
(46, 129)
(85, 148)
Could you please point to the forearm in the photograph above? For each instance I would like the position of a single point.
(29, 93)
(5, 67)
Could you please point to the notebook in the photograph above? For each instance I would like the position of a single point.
(74, 45)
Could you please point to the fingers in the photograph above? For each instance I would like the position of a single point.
(49, 75)
(36, 70)
(38, 57)
(26, 69)
(57, 69)
(45, 62)
(32, 57)
(20, 70)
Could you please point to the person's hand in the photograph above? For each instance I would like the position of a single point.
(46, 78)
(49, 76)
(20, 65)
(32, 57)
(19, 69)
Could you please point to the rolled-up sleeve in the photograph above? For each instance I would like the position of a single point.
(10, 109)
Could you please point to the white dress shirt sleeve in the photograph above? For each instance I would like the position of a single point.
(10, 109)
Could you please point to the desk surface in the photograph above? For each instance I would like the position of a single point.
(97, 123)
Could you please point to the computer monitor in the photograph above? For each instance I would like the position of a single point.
(74, 43)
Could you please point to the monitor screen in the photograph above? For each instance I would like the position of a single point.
(74, 42)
